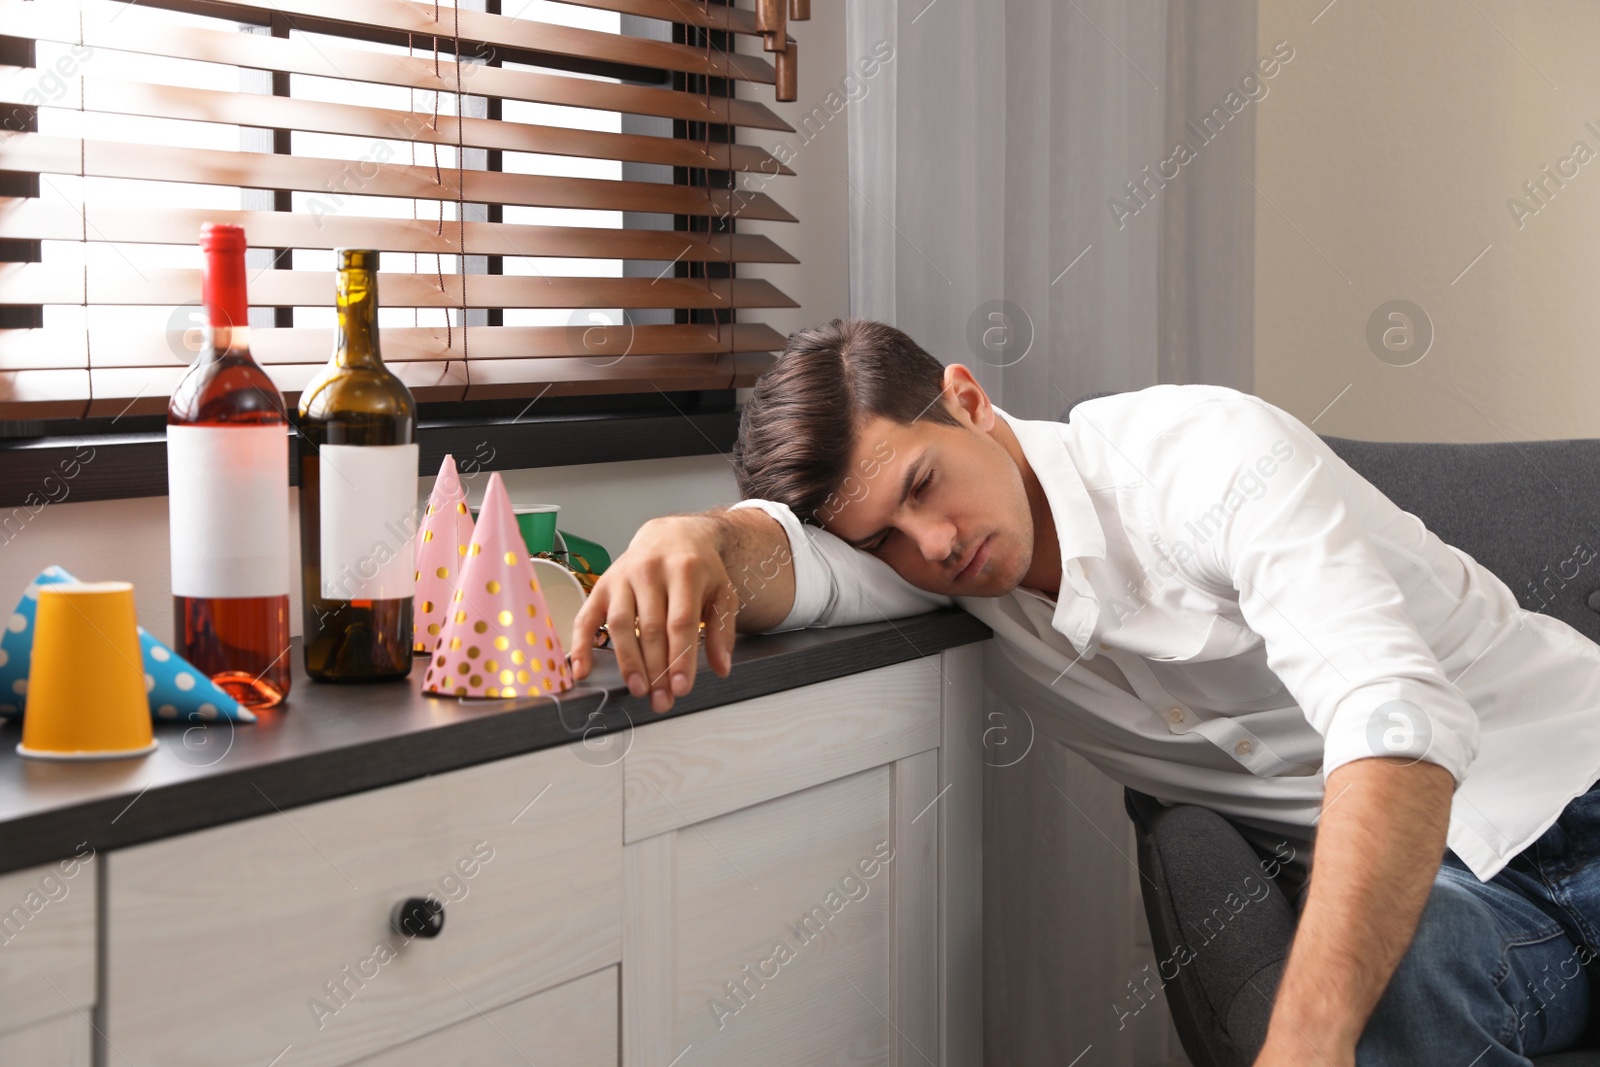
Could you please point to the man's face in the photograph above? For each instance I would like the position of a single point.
(966, 496)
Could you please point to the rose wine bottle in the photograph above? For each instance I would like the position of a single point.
(228, 496)
(358, 497)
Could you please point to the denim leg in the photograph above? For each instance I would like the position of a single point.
(1476, 985)
(1562, 868)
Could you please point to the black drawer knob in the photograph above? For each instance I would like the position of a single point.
(417, 917)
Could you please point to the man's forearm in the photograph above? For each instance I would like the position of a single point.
(755, 551)
(1379, 842)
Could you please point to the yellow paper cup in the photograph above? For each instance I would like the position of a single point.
(86, 687)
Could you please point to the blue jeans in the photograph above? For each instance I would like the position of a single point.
(1501, 970)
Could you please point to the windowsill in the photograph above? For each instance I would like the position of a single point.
(119, 465)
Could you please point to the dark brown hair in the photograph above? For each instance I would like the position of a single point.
(800, 425)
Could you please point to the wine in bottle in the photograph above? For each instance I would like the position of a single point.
(358, 496)
(228, 496)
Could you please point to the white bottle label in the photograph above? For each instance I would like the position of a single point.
(228, 501)
(369, 521)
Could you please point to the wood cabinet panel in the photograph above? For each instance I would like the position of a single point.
(47, 941)
(782, 932)
(64, 1041)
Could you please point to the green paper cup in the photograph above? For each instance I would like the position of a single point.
(537, 525)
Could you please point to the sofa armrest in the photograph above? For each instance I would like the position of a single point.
(1219, 924)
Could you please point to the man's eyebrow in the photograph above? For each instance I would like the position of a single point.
(905, 491)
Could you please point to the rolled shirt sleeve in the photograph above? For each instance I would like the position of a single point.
(1244, 494)
(836, 584)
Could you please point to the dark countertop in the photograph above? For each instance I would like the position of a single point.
(332, 740)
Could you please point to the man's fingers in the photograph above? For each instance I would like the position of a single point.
(720, 622)
(683, 631)
(651, 608)
(580, 647)
(619, 622)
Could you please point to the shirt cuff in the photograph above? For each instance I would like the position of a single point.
(810, 580)
(1404, 719)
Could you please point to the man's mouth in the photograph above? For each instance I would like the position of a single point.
(973, 562)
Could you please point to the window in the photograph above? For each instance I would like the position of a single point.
(550, 183)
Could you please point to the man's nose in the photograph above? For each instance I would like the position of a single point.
(936, 540)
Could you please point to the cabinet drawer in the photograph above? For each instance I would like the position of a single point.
(47, 941)
(572, 1025)
(237, 943)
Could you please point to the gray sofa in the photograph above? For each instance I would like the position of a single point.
(1530, 512)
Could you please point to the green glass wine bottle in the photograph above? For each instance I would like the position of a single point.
(358, 497)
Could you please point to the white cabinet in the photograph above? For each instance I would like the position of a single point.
(789, 879)
(785, 896)
(244, 942)
(47, 962)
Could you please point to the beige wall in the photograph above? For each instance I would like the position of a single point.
(127, 539)
(1389, 148)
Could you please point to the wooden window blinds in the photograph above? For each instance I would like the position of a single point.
(552, 185)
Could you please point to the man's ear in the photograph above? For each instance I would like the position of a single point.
(966, 398)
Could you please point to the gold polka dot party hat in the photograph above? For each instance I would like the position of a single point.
(498, 638)
(442, 542)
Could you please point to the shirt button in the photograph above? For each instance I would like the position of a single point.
(1104, 646)
(1243, 748)
(1175, 715)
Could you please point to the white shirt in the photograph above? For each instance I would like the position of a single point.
(1271, 616)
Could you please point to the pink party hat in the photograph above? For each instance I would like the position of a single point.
(442, 542)
(499, 639)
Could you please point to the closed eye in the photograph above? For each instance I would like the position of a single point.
(916, 494)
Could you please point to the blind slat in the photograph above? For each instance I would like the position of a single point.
(63, 394)
(61, 349)
(335, 179)
(503, 31)
(485, 35)
(508, 380)
(208, 105)
(26, 219)
(35, 283)
(690, 12)
(58, 24)
(144, 391)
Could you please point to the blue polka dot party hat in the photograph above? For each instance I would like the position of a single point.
(177, 690)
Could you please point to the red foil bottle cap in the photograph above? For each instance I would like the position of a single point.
(221, 237)
(223, 286)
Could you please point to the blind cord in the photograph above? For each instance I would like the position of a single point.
(461, 214)
(438, 180)
(83, 214)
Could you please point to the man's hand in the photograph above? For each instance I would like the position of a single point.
(671, 577)
(1379, 843)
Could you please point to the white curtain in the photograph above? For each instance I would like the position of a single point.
(983, 171)
(992, 219)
